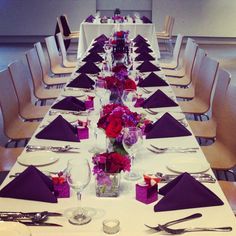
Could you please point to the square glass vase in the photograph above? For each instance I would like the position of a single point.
(107, 185)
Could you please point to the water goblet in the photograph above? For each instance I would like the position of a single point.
(129, 97)
(78, 174)
(132, 139)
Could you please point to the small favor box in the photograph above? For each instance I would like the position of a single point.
(83, 132)
(61, 187)
(146, 193)
(89, 103)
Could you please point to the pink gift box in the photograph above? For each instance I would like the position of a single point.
(83, 132)
(145, 193)
(89, 104)
(62, 190)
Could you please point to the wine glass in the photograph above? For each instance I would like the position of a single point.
(132, 139)
(78, 174)
(100, 89)
(129, 97)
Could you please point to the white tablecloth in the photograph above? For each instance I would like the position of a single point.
(89, 31)
(132, 214)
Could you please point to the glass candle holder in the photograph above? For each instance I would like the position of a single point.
(111, 226)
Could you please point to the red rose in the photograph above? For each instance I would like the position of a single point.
(119, 34)
(130, 84)
(114, 128)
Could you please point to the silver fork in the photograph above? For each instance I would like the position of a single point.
(171, 151)
(146, 90)
(32, 148)
(173, 148)
(198, 229)
(51, 112)
(193, 216)
(151, 112)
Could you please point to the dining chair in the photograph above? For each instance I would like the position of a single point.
(186, 86)
(221, 154)
(187, 60)
(200, 104)
(20, 79)
(229, 190)
(54, 57)
(65, 61)
(166, 33)
(13, 127)
(39, 91)
(49, 79)
(9, 157)
(174, 62)
(207, 129)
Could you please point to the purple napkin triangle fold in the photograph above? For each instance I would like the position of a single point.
(186, 192)
(141, 44)
(97, 48)
(144, 56)
(59, 129)
(158, 99)
(90, 19)
(139, 38)
(146, 20)
(88, 68)
(166, 127)
(31, 184)
(102, 37)
(71, 104)
(147, 66)
(143, 49)
(82, 81)
(152, 80)
(93, 57)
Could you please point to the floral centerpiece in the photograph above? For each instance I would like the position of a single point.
(107, 168)
(114, 118)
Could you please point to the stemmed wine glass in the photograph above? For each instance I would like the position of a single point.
(132, 140)
(129, 97)
(78, 174)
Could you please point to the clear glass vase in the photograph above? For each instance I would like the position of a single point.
(107, 185)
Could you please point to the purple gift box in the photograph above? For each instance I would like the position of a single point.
(89, 104)
(83, 132)
(145, 193)
(62, 190)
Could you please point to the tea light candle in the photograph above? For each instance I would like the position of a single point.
(111, 226)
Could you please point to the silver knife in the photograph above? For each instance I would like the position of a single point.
(17, 213)
(29, 223)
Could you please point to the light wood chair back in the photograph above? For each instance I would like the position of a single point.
(62, 46)
(189, 56)
(205, 81)
(223, 80)
(35, 70)
(177, 48)
(53, 53)
(44, 65)
(20, 77)
(226, 125)
(8, 102)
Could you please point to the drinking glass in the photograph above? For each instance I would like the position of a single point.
(78, 175)
(129, 97)
(132, 140)
(100, 89)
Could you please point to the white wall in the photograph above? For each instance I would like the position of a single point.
(193, 17)
(216, 18)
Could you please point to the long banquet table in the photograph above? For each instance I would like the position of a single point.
(89, 31)
(132, 214)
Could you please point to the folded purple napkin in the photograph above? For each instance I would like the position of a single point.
(98, 48)
(146, 20)
(147, 66)
(143, 49)
(31, 184)
(59, 129)
(139, 38)
(89, 68)
(82, 81)
(90, 19)
(186, 192)
(152, 80)
(141, 44)
(166, 127)
(93, 57)
(71, 104)
(159, 99)
(102, 37)
(144, 56)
